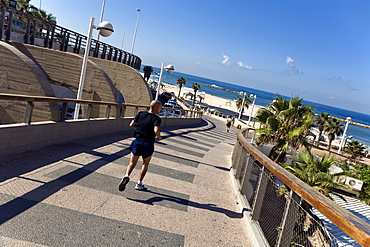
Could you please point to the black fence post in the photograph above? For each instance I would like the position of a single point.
(28, 113)
(2, 21)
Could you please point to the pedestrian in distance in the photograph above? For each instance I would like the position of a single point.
(147, 127)
(228, 123)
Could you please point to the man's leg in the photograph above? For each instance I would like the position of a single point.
(133, 161)
(130, 167)
(144, 168)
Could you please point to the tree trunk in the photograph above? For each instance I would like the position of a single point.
(179, 92)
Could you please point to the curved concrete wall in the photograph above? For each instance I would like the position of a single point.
(28, 70)
(21, 75)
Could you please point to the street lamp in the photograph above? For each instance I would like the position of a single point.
(169, 68)
(105, 29)
(254, 100)
(241, 108)
(101, 16)
(137, 23)
(348, 119)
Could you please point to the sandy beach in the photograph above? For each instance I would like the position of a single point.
(227, 106)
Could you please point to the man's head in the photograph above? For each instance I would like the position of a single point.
(155, 107)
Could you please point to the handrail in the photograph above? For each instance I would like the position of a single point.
(19, 97)
(355, 227)
(121, 107)
(57, 37)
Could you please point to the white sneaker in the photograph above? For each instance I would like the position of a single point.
(140, 187)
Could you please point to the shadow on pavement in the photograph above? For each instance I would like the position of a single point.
(211, 207)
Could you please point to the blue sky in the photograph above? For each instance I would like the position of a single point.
(317, 50)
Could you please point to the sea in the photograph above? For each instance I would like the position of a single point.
(264, 98)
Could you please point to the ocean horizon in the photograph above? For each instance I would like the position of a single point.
(264, 98)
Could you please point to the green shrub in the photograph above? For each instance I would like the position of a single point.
(361, 172)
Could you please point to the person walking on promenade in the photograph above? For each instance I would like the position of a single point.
(147, 127)
(228, 123)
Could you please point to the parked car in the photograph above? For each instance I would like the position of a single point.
(169, 105)
(166, 96)
(17, 25)
(169, 113)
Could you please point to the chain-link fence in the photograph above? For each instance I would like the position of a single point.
(285, 216)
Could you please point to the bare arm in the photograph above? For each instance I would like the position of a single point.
(157, 132)
(133, 124)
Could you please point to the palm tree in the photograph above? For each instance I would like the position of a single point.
(285, 124)
(42, 14)
(356, 148)
(314, 171)
(23, 5)
(239, 103)
(196, 87)
(180, 82)
(148, 70)
(334, 128)
(320, 123)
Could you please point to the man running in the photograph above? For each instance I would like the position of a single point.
(147, 127)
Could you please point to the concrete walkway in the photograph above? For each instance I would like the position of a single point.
(67, 195)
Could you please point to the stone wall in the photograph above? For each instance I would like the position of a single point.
(29, 70)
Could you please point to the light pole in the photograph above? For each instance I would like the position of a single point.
(101, 16)
(254, 100)
(105, 29)
(169, 68)
(137, 23)
(348, 119)
(241, 108)
(123, 39)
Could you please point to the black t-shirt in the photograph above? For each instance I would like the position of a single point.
(145, 126)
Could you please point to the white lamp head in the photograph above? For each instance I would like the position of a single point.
(169, 68)
(105, 29)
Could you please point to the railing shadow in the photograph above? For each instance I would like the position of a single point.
(158, 197)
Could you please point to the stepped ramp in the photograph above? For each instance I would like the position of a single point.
(67, 195)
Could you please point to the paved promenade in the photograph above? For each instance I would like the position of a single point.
(67, 195)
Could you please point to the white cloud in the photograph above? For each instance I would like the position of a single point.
(245, 66)
(226, 60)
(198, 63)
(292, 68)
(289, 61)
(333, 77)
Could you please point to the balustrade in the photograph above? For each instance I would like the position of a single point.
(286, 219)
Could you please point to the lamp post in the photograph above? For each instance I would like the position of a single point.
(348, 119)
(241, 108)
(169, 68)
(254, 100)
(137, 23)
(101, 16)
(105, 29)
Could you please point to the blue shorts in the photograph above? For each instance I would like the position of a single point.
(143, 149)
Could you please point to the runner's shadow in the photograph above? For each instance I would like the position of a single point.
(212, 207)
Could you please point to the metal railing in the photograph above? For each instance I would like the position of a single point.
(287, 219)
(25, 111)
(21, 27)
